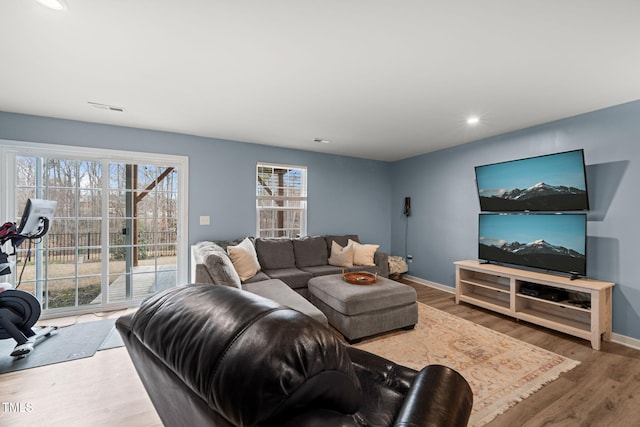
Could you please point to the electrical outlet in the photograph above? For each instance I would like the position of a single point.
(409, 258)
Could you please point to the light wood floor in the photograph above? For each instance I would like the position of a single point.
(604, 390)
(104, 390)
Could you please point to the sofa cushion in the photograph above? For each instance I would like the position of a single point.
(260, 276)
(322, 270)
(341, 257)
(310, 251)
(274, 254)
(217, 263)
(363, 254)
(278, 291)
(244, 259)
(293, 277)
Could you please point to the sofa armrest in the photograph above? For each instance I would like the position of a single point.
(202, 275)
(381, 260)
(439, 396)
(210, 264)
(199, 273)
(175, 403)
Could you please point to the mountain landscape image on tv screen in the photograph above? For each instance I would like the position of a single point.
(547, 241)
(554, 182)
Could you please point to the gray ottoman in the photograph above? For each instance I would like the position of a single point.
(358, 311)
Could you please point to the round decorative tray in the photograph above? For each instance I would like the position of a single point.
(360, 278)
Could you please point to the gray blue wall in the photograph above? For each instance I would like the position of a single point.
(443, 225)
(349, 195)
(345, 194)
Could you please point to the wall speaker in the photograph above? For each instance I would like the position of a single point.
(406, 210)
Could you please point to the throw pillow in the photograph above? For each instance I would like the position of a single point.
(341, 257)
(363, 254)
(341, 240)
(244, 259)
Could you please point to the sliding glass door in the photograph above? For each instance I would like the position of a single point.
(117, 234)
(143, 220)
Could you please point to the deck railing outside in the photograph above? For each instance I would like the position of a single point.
(62, 246)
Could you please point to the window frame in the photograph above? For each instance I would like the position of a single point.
(303, 198)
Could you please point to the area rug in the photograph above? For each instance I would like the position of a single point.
(69, 343)
(501, 370)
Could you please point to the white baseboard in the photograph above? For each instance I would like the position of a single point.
(435, 285)
(615, 338)
(626, 341)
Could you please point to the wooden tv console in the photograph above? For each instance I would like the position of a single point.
(499, 289)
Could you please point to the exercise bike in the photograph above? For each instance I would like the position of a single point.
(19, 310)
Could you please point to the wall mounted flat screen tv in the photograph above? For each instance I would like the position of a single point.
(555, 242)
(554, 182)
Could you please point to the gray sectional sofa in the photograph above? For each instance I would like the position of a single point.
(286, 265)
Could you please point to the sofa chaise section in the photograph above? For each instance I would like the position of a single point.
(210, 264)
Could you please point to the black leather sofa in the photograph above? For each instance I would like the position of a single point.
(220, 356)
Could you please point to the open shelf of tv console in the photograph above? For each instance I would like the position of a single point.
(498, 288)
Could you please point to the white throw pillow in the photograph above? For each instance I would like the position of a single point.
(363, 254)
(244, 259)
(341, 257)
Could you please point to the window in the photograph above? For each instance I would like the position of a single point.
(117, 233)
(281, 200)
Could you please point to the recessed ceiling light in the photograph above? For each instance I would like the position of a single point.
(53, 4)
(473, 120)
(323, 141)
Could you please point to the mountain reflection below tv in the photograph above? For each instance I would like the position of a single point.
(555, 242)
(554, 182)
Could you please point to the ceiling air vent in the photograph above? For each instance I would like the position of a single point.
(106, 107)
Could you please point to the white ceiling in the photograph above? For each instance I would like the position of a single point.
(379, 79)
